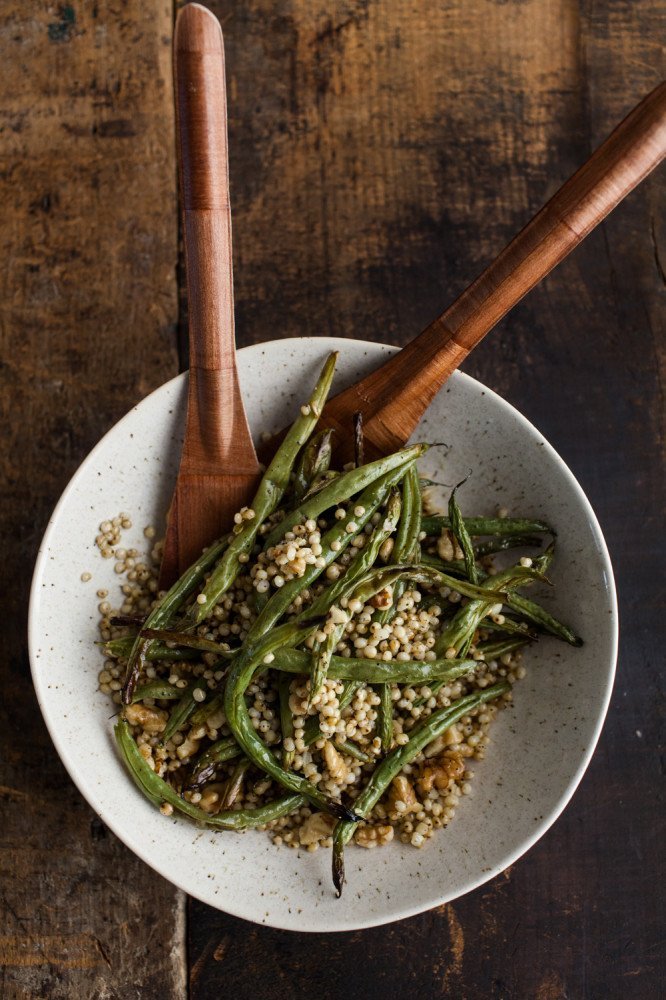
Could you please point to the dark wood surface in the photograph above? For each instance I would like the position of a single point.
(381, 154)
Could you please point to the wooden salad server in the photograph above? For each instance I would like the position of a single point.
(218, 467)
(394, 397)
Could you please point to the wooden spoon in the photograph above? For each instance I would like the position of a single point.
(394, 397)
(218, 467)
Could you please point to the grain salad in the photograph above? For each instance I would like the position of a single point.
(330, 670)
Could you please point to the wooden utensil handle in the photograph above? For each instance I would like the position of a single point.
(201, 105)
(408, 382)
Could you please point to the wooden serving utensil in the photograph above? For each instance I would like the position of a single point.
(394, 397)
(218, 468)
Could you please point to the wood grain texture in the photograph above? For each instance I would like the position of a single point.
(218, 471)
(396, 148)
(87, 313)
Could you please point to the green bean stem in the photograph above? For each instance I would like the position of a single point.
(463, 538)
(313, 462)
(435, 524)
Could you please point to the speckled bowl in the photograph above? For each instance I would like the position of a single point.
(540, 748)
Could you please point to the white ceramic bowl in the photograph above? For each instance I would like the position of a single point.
(540, 748)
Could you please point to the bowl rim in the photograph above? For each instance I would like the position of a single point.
(336, 926)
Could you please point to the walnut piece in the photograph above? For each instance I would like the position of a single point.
(383, 598)
(440, 772)
(317, 827)
(151, 720)
(334, 762)
(402, 791)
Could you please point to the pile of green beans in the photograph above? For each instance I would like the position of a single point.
(384, 500)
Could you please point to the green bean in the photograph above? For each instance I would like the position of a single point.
(386, 715)
(460, 630)
(372, 497)
(234, 784)
(158, 690)
(313, 462)
(122, 648)
(183, 710)
(462, 536)
(423, 733)
(500, 543)
(434, 525)
(206, 709)
(349, 748)
(343, 488)
(515, 628)
(322, 651)
(203, 768)
(163, 613)
(269, 493)
(192, 642)
(406, 547)
(493, 650)
(539, 616)
(240, 724)
(158, 791)
(286, 719)
(295, 661)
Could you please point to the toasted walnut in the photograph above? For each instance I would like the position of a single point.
(317, 827)
(440, 772)
(151, 720)
(373, 836)
(437, 746)
(336, 766)
(187, 748)
(386, 549)
(402, 791)
(448, 548)
(383, 598)
(452, 736)
(211, 797)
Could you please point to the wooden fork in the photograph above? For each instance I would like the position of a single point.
(218, 468)
(395, 396)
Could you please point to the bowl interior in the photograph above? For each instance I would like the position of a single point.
(539, 748)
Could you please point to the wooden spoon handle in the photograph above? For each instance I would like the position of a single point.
(217, 437)
(394, 397)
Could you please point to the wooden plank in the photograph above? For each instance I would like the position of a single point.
(394, 149)
(88, 312)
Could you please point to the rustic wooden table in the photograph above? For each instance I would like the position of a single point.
(381, 153)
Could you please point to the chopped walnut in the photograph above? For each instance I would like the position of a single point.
(402, 791)
(334, 762)
(211, 797)
(383, 598)
(448, 548)
(386, 550)
(373, 836)
(151, 720)
(187, 748)
(317, 827)
(440, 772)
(449, 738)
